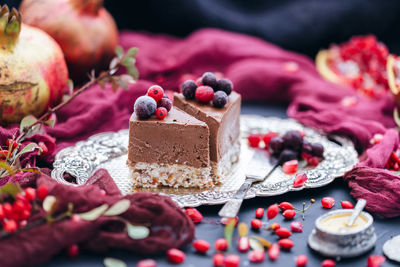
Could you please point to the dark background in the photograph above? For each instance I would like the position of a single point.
(300, 25)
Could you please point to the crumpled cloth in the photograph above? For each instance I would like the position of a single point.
(169, 225)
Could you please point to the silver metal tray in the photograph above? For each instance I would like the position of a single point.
(109, 151)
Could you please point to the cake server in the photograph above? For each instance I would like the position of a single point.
(259, 168)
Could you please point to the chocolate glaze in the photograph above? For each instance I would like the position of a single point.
(224, 123)
(177, 139)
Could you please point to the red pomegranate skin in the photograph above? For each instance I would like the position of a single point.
(84, 29)
(33, 75)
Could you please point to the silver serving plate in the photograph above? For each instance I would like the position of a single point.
(109, 151)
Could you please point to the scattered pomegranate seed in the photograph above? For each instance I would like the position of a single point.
(283, 232)
(10, 226)
(73, 251)
(194, 215)
(328, 202)
(259, 212)
(328, 263)
(225, 220)
(147, 263)
(296, 227)
(30, 193)
(218, 260)
(254, 140)
(375, 260)
(201, 246)
(346, 204)
(272, 211)
(313, 161)
(290, 167)
(243, 244)
(285, 206)
(256, 255)
(267, 137)
(156, 92)
(221, 244)
(286, 243)
(204, 94)
(161, 113)
(42, 192)
(273, 252)
(301, 260)
(232, 261)
(175, 255)
(256, 224)
(299, 180)
(275, 226)
(289, 214)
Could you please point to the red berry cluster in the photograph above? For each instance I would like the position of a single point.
(15, 215)
(164, 104)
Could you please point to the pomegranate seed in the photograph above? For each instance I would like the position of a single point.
(301, 260)
(147, 263)
(10, 226)
(256, 255)
(156, 92)
(272, 211)
(201, 246)
(232, 261)
(346, 204)
(30, 193)
(285, 206)
(194, 215)
(175, 255)
(42, 192)
(243, 244)
(286, 243)
(204, 94)
(259, 212)
(273, 252)
(328, 202)
(225, 220)
(299, 180)
(267, 137)
(375, 260)
(283, 232)
(256, 224)
(218, 260)
(44, 148)
(328, 263)
(221, 244)
(275, 226)
(161, 113)
(73, 251)
(2, 213)
(289, 214)
(296, 227)
(290, 167)
(254, 140)
(313, 161)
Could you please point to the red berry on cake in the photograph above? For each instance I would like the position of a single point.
(156, 92)
(188, 89)
(165, 103)
(144, 107)
(204, 94)
(161, 113)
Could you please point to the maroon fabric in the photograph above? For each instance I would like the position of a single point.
(169, 225)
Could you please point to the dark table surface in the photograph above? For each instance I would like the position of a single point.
(210, 230)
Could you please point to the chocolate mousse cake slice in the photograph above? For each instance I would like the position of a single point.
(224, 126)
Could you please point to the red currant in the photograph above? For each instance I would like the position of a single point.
(346, 204)
(147, 263)
(296, 227)
(259, 212)
(30, 193)
(218, 260)
(290, 167)
(283, 232)
(328, 263)
(328, 202)
(204, 94)
(156, 92)
(232, 261)
(289, 214)
(301, 261)
(10, 226)
(201, 246)
(256, 224)
(286, 243)
(175, 255)
(42, 192)
(8, 210)
(73, 251)
(254, 140)
(221, 244)
(256, 255)
(272, 211)
(273, 252)
(161, 113)
(285, 206)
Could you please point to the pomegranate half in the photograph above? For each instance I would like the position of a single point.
(33, 72)
(84, 29)
(359, 63)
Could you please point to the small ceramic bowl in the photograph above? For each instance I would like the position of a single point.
(349, 244)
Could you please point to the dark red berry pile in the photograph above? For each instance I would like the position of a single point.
(208, 89)
(155, 102)
(289, 148)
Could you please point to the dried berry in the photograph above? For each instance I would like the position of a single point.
(243, 244)
(220, 99)
(218, 260)
(375, 260)
(267, 138)
(286, 244)
(273, 252)
(209, 79)
(272, 211)
(204, 94)
(289, 214)
(328, 263)
(221, 244)
(290, 167)
(287, 155)
(346, 204)
(73, 251)
(194, 215)
(299, 180)
(161, 113)
(175, 255)
(301, 261)
(283, 232)
(188, 89)
(259, 212)
(232, 261)
(296, 227)
(276, 145)
(256, 255)
(285, 206)
(165, 103)
(256, 224)
(201, 246)
(328, 202)
(225, 85)
(147, 263)
(144, 107)
(293, 140)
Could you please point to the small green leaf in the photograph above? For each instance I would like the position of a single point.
(27, 149)
(132, 52)
(118, 208)
(137, 231)
(26, 122)
(119, 51)
(112, 262)
(128, 62)
(93, 214)
(133, 71)
(396, 117)
(228, 231)
(50, 123)
(4, 165)
(10, 189)
(50, 204)
(70, 87)
(255, 245)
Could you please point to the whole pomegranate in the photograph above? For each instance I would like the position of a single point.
(85, 31)
(33, 72)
